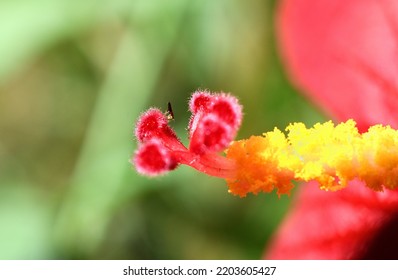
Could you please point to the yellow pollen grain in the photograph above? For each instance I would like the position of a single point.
(331, 155)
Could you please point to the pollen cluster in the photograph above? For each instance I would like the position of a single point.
(331, 155)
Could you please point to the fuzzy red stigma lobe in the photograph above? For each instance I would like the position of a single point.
(200, 100)
(211, 134)
(228, 109)
(152, 124)
(153, 158)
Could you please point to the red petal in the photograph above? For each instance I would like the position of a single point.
(344, 56)
(354, 223)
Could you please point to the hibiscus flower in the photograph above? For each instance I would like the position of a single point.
(348, 208)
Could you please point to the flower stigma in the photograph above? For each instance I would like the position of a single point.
(332, 155)
(213, 125)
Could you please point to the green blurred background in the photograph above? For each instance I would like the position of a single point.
(74, 77)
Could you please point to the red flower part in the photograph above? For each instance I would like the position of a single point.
(215, 120)
(225, 106)
(343, 55)
(199, 104)
(214, 123)
(228, 109)
(211, 134)
(150, 124)
(200, 100)
(153, 124)
(353, 223)
(153, 158)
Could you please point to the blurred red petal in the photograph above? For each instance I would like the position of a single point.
(344, 56)
(354, 223)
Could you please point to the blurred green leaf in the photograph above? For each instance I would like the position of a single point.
(28, 28)
(26, 223)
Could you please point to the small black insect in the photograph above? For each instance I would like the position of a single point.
(169, 113)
